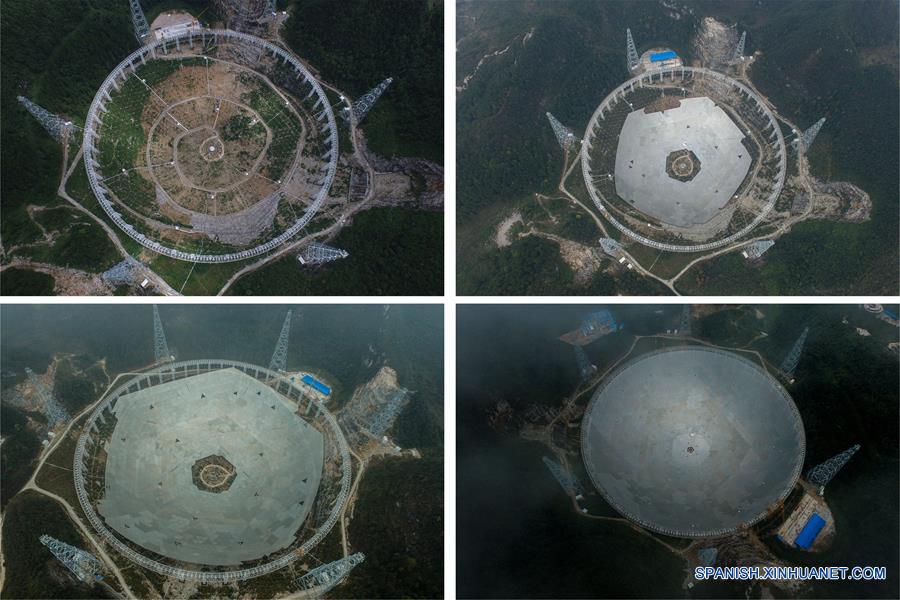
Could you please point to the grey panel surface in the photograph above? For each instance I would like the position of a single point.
(697, 125)
(692, 441)
(151, 499)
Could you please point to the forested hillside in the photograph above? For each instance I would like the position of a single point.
(836, 60)
(361, 43)
(393, 251)
(56, 53)
(398, 523)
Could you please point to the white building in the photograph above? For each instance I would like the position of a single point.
(172, 24)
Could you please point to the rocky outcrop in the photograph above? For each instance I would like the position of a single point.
(714, 44)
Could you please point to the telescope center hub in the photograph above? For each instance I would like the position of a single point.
(213, 473)
(217, 145)
(212, 148)
(690, 449)
(682, 165)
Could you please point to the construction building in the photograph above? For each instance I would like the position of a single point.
(172, 24)
(810, 524)
(593, 326)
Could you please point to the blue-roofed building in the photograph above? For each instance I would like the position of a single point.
(661, 56)
(808, 534)
(890, 314)
(316, 384)
(593, 326)
(602, 320)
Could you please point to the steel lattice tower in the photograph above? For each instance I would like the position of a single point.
(83, 565)
(279, 357)
(387, 413)
(739, 50)
(805, 139)
(793, 357)
(330, 575)
(564, 135)
(362, 106)
(141, 29)
(611, 247)
(124, 272)
(685, 327)
(51, 408)
(567, 481)
(317, 253)
(58, 128)
(585, 367)
(821, 474)
(633, 60)
(757, 249)
(160, 347)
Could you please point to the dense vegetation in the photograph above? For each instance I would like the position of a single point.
(335, 338)
(31, 570)
(846, 391)
(80, 245)
(78, 383)
(22, 282)
(838, 61)
(56, 53)
(363, 42)
(833, 59)
(414, 347)
(392, 252)
(838, 364)
(398, 523)
(346, 343)
(570, 60)
(506, 150)
(17, 454)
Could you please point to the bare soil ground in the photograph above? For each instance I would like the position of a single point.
(583, 260)
(714, 43)
(841, 201)
(501, 238)
(394, 186)
(664, 103)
